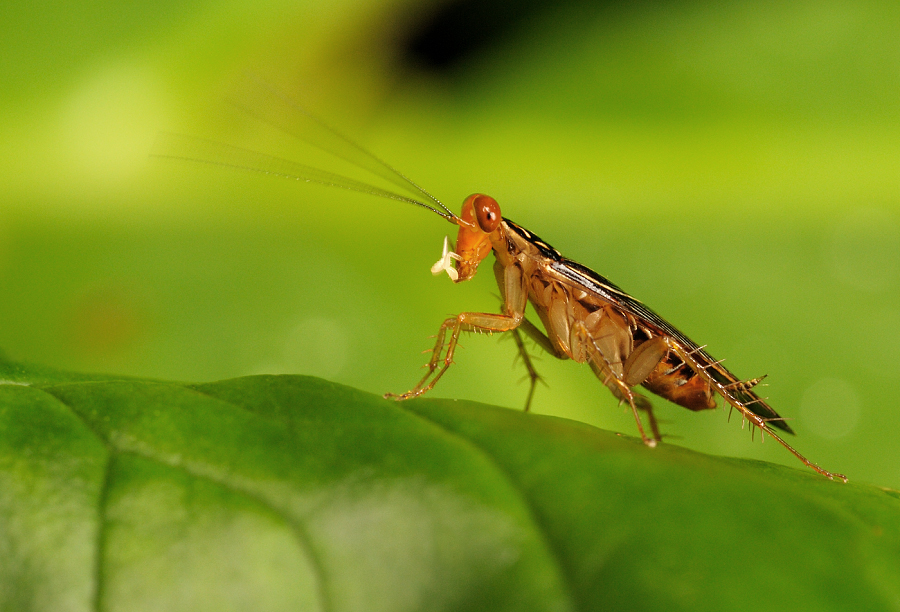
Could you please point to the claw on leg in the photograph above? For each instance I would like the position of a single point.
(436, 363)
(624, 393)
(644, 404)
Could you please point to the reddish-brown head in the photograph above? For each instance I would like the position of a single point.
(480, 219)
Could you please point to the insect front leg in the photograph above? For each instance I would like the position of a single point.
(515, 298)
(438, 364)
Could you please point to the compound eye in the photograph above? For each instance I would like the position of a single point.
(487, 213)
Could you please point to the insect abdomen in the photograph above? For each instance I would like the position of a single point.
(678, 383)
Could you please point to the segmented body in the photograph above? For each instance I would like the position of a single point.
(589, 319)
(586, 317)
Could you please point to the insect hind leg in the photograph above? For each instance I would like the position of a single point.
(745, 402)
(644, 404)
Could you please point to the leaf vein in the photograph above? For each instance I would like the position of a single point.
(303, 539)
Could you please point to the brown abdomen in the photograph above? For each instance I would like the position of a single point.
(678, 383)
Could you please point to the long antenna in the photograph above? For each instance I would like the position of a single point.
(180, 147)
(262, 101)
(271, 106)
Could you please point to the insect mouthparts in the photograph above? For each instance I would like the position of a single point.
(445, 263)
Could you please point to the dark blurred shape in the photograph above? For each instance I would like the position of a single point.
(458, 30)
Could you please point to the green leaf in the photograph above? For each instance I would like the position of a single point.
(293, 493)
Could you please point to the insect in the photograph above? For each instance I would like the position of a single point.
(585, 317)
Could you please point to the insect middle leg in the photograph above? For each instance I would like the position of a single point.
(533, 376)
(542, 341)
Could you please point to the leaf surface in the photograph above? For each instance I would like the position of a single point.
(293, 493)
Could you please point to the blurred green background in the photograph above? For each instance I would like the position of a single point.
(735, 165)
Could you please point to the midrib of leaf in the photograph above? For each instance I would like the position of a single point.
(114, 452)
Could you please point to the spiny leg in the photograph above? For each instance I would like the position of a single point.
(726, 390)
(745, 385)
(433, 363)
(437, 365)
(529, 366)
(638, 366)
(541, 339)
(644, 404)
(623, 392)
(603, 370)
